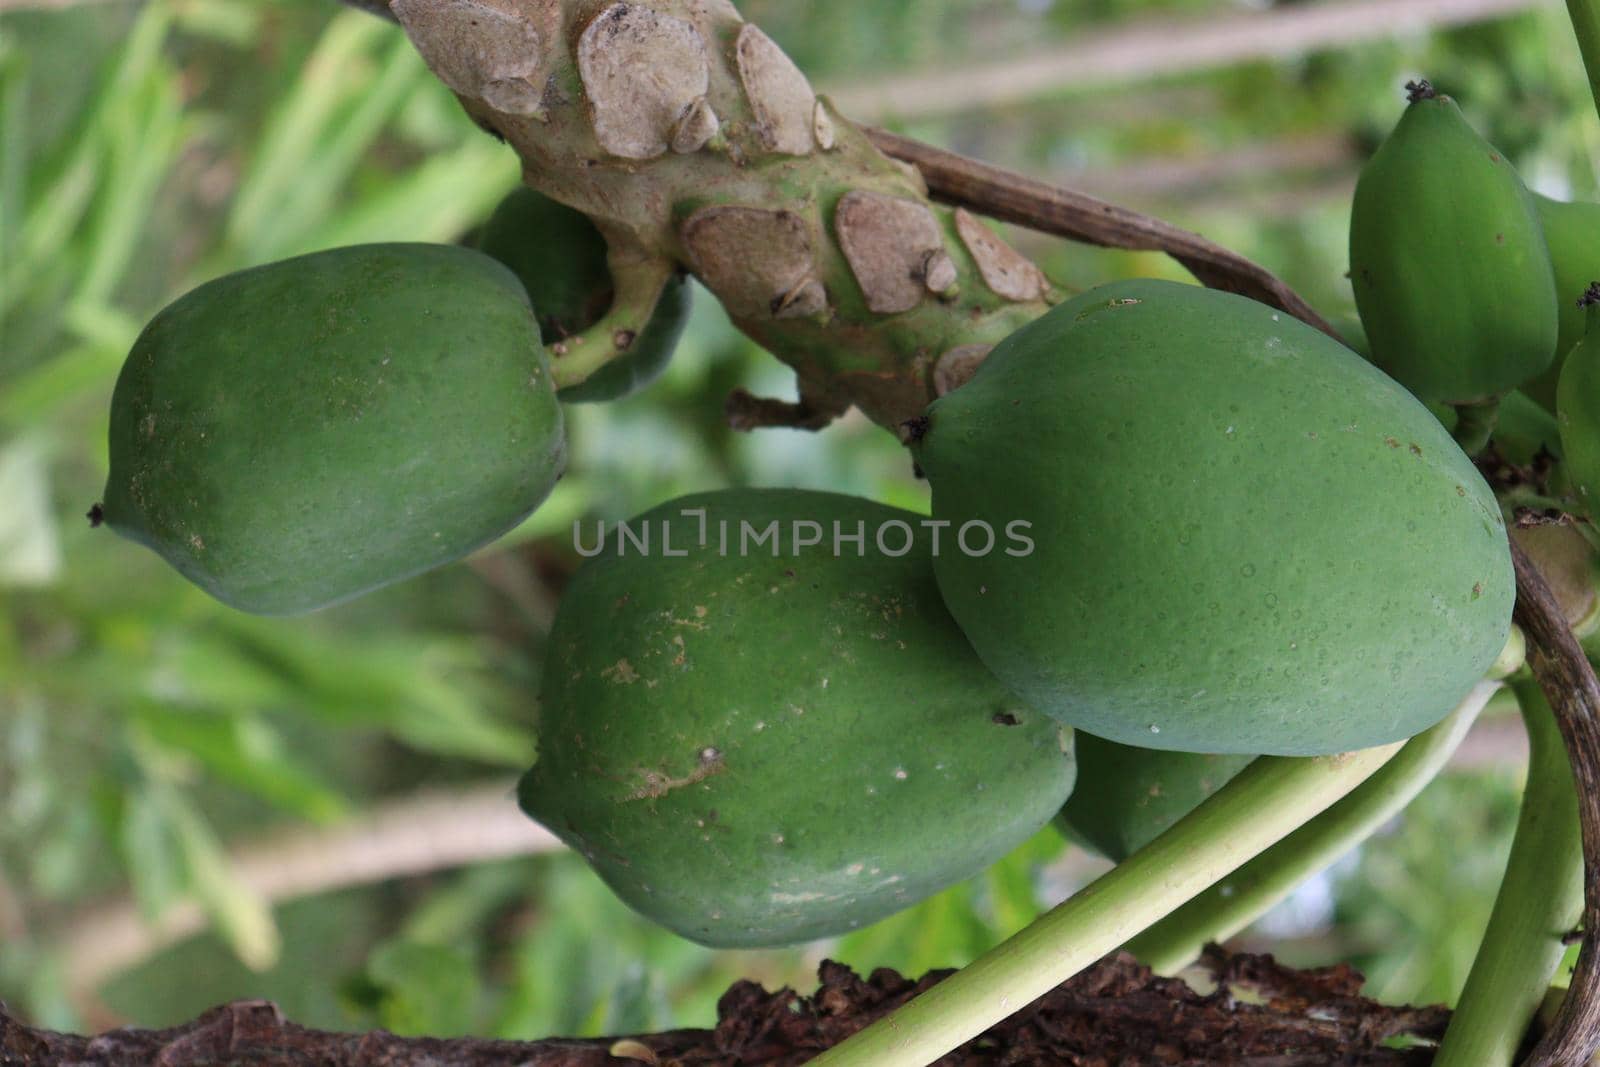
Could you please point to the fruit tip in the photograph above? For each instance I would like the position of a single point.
(1591, 296)
(96, 515)
(913, 430)
(1420, 89)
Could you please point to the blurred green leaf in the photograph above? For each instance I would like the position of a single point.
(424, 989)
(301, 123)
(635, 1003)
(150, 848)
(439, 200)
(245, 752)
(30, 543)
(140, 152)
(241, 916)
(71, 174)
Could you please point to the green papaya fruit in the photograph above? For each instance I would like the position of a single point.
(293, 435)
(1578, 410)
(561, 259)
(1572, 234)
(769, 744)
(1448, 261)
(1243, 537)
(1126, 797)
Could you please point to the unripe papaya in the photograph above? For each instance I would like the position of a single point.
(1448, 261)
(296, 434)
(561, 260)
(759, 744)
(1572, 233)
(1126, 797)
(1246, 538)
(1578, 410)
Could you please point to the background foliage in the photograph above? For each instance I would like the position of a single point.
(145, 730)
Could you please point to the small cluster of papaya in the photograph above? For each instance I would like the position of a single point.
(1469, 285)
(762, 746)
(1243, 538)
(1473, 292)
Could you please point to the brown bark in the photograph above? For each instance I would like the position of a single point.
(1116, 1012)
(1570, 685)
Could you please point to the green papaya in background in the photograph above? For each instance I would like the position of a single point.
(561, 259)
(764, 744)
(295, 434)
(1578, 410)
(1126, 797)
(1448, 261)
(1572, 233)
(1245, 538)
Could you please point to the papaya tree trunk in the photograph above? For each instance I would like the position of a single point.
(821, 247)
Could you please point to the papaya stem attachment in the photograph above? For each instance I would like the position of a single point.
(1569, 684)
(1585, 16)
(1260, 806)
(638, 283)
(1474, 425)
(1239, 899)
(1540, 899)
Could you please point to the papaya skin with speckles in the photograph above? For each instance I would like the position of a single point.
(1248, 539)
(758, 750)
(296, 434)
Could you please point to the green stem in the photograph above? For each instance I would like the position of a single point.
(1540, 900)
(1474, 425)
(638, 283)
(1586, 24)
(1265, 802)
(1245, 895)
(1512, 658)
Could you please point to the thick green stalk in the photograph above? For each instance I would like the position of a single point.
(1474, 425)
(1586, 24)
(1245, 895)
(1268, 800)
(1540, 900)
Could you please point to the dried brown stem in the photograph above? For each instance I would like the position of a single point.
(746, 411)
(1011, 197)
(1570, 685)
(1115, 1012)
